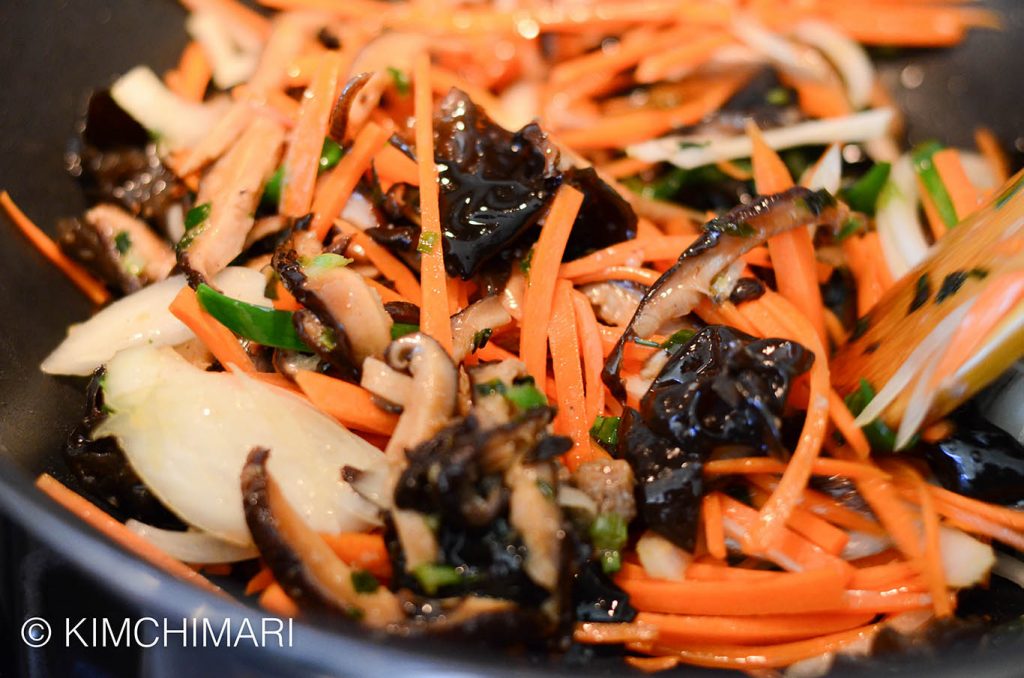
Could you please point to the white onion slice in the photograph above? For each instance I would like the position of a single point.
(1009, 568)
(661, 558)
(827, 173)
(965, 560)
(233, 58)
(142, 318)
(862, 545)
(796, 59)
(192, 547)
(174, 120)
(1005, 408)
(849, 58)
(575, 498)
(899, 227)
(693, 151)
(937, 339)
(187, 433)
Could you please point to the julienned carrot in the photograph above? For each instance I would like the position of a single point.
(117, 532)
(396, 167)
(386, 293)
(544, 267)
(821, 467)
(682, 57)
(435, 319)
(614, 634)
(789, 322)
(351, 405)
(644, 276)
(809, 526)
(274, 599)
(1011, 518)
(885, 577)
(302, 161)
(752, 657)
(787, 593)
(998, 298)
(793, 251)
(819, 99)
(233, 12)
(714, 532)
(934, 570)
(221, 341)
(898, 520)
(336, 188)
(192, 76)
(631, 252)
(260, 581)
(361, 551)
(964, 195)
(565, 360)
(710, 572)
(824, 506)
(843, 420)
(993, 153)
(652, 664)
(681, 630)
(385, 262)
(284, 301)
(280, 381)
(593, 355)
(83, 280)
(890, 601)
(624, 167)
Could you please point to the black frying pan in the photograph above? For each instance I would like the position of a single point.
(52, 52)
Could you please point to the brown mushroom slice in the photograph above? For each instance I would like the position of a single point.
(355, 306)
(472, 326)
(538, 520)
(725, 239)
(384, 382)
(356, 102)
(142, 253)
(302, 562)
(232, 188)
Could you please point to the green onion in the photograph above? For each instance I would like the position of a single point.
(608, 534)
(433, 577)
(646, 342)
(525, 396)
(123, 242)
(324, 262)
(330, 155)
(778, 96)
(526, 262)
(606, 430)
(862, 195)
(545, 488)
(266, 326)
(877, 432)
(611, 561)
(401, 80)
(364, 582)
(399, 330)
(853, 224)
(491, 387)
(481, 338)
(427, 241)
(197, 216)
(929, 176)
(272, 191)
(678, 338)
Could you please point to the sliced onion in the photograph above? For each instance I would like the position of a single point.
(827, 173)
(359, 212)
(575, 498)
(233, 55)
(978, 170)
(693, 151)
(862, 545)
(849, 58)
(661, 558)
(899, 228)
(1009, 568)
(1005, 407)
(926, 350)
(965, 560)
(141, 318)
(384, 382)
(174, 120)
(192, 547)
(187, 434)
(796, 59)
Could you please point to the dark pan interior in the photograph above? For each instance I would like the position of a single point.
(53, 52)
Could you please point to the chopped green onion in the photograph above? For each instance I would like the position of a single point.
(123, 242)
(862, 195)
(364, 582)
(611, 561)
(266, 326)
(330, 155)
(272, 191)
(526, 262)
(879, 435)
(608, 534)
(525, 395)
(494, 386)
(853, 224)
(678, 338)
(324, 262)
(778, 96)
(606, 430)
(427, 241)
(328, 340)
(481, 338)
(197, 216)
(401, 80)
(929, 176)
(433, 577)
(399, 330)
(646, 342)
(545, 488)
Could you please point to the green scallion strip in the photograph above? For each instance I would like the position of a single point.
(263, 325)
(863, 194)
(929, 176)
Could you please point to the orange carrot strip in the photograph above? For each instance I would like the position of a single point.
(221, 341)
(625, 167)
(1011, 518)
(302, 161)
(964, 195)
(274, 599)
(361, 551)
(233, 12)
(443, 80)
(821, 99)
(686, 629)
(389, 266)
(993, 153)
(843, 419)
(644, 276)
(793, 251)
(83, 280)
(665, 248)
(652, 664)
(117, 532)
(284, 300)
(541, 280)
(435, 319)
(195, 72)
(260, 581)
(932, 549)
(885, 577)
(752, 657)
(827, 507)
(278, 380)
(714, 533)
(894, 515)
(565, 358)
(386, 293)
(337, 186)
(614, 634)
(821, 466)
(352, 405)
(940, 430)
(686, 55)
(899, 599)
(787, 593)
(396, 167)
(593, 355)
(709, 572)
